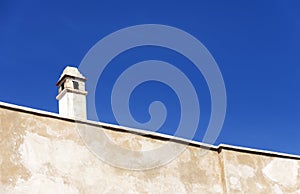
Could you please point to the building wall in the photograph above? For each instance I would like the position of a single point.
(43, 153)
(258, 173)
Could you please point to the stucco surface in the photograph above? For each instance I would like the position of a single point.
(252, 173)
(42, 154)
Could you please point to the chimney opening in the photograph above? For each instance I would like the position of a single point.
(75, 85)
(62, 86)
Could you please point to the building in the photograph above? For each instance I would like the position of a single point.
(42, 152)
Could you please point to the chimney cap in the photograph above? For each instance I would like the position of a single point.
(72, 72)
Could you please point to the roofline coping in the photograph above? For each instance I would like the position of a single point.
(156, 135)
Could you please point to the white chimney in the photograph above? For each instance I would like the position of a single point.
(71, 94)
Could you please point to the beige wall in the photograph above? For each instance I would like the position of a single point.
(255, 173)
(43, 153)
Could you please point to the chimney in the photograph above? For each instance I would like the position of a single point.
(71, 94)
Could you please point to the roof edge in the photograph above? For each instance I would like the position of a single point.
(149, 134)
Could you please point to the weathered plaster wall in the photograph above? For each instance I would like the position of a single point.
(253, 173)
(44, 154)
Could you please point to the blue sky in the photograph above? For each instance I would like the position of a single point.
(255, 43)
